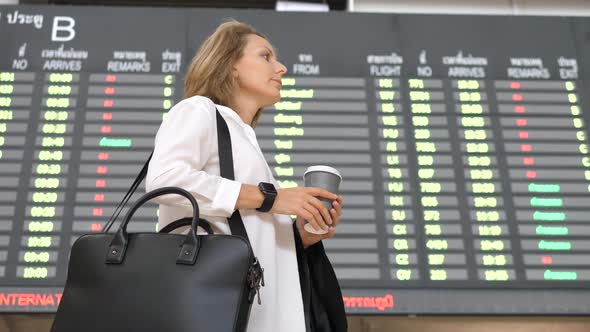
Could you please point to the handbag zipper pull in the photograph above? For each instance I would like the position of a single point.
(259, 279)
(255, 279)
(258, 293)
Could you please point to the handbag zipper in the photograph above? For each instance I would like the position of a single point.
(255, 280)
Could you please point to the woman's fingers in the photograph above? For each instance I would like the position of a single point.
(316, 220)
(331, 232)
(305, 202)
(322, 209)
(338, 207)
(323, 217)
(335, 217)
(306, 215)
(315, 191)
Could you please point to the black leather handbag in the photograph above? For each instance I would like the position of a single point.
(160, 281)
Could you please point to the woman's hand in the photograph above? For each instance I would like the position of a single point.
(302, 201)
(309, 239)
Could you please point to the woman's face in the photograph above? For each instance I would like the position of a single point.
(258, 72)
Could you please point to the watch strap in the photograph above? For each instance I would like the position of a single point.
(269, 197)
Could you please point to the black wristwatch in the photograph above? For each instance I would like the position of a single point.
(270, 193)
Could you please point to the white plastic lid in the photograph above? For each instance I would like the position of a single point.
(322, 168)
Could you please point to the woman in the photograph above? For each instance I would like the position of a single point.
(237, 72)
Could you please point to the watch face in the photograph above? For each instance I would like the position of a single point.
(267, 187)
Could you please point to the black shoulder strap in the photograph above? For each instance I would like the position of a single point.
(128, 195)
(226, 167)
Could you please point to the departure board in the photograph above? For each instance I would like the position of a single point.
(462, 141)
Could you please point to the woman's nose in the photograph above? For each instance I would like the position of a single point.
(282, 69)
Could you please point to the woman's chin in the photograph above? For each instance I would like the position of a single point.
(273, 100)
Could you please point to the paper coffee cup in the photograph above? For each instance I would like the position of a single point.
(324, 177)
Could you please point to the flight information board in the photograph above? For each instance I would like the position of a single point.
(462, 141)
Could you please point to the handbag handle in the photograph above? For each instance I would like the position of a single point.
(190, 246)
(204, 224)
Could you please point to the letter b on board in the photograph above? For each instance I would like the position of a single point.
(63, 29)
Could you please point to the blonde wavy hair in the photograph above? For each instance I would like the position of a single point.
(210, 71)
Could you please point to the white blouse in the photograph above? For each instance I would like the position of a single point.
(186, 156)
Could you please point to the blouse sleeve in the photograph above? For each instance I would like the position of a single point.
(182, 148)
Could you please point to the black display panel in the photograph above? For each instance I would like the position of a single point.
(462, 141)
